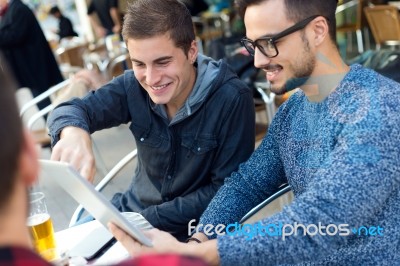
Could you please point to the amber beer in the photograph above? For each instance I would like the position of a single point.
(41, 228)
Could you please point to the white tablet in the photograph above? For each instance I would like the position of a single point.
(93, 201)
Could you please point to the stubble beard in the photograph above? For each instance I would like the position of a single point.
(301, 69)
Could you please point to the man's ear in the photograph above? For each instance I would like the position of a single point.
(28, 162)
(193, 51)
(321, 30)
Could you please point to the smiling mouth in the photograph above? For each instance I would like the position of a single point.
(157, 88)
(272, 71)
(273, 68)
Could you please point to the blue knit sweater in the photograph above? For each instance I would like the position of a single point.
(342, 160)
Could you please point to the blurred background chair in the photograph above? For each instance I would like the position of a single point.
(351, 19)
(71, 58)
(210, 26)
(109, 56)
(384, 22)
(34, 119)
(118, 65)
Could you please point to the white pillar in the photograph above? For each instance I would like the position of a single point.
(81, 8)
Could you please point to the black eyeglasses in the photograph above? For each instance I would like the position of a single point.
(267, 45)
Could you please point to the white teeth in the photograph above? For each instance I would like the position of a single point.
(270, 73)
(158, 87)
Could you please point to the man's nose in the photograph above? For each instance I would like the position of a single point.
(152, 76)
(260, 59)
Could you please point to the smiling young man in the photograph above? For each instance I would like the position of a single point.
(192, 118)
(336, 142)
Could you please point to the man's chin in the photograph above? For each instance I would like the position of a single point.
(159, 99)
(278, 90)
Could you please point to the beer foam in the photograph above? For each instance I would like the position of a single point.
(38, 219)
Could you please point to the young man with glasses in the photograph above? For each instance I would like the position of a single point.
(192, 118)
(336, 142)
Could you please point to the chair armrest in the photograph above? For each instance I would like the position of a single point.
(116, 169)
(39, 115)
(43, 96)
(282, 190)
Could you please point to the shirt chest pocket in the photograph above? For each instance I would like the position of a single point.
(200, 146)
(145, 138)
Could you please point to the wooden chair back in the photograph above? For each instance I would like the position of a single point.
(384, 22)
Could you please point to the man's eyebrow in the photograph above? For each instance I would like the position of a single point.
(160, 59)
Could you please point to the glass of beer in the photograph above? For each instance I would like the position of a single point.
(41, 227)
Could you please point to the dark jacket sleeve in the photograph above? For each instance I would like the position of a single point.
(104, 108)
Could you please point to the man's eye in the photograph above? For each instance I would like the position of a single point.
(264, 44)
(163, 63)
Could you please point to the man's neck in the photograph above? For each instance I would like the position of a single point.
(328, 74)
(173, 107)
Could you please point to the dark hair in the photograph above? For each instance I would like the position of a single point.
(149, 18)
(54, 10)
(297, 10)
(11, 134)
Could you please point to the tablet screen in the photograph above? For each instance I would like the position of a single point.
(93, 201)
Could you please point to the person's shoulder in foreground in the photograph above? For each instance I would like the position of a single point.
(20, 256)
(23, 256)
(165, 260)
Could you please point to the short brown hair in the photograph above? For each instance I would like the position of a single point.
(149, 18)
(11, 134)
(297, 10)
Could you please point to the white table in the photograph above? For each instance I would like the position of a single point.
(68, 238)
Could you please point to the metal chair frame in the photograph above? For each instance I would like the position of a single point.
(252, 215)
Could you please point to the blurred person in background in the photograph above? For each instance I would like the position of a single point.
(195, 6)
(108, 16)
(65, 28)
(26, 49)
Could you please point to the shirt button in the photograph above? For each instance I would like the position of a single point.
(198, 149)
(141, 139)
(169, 177)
